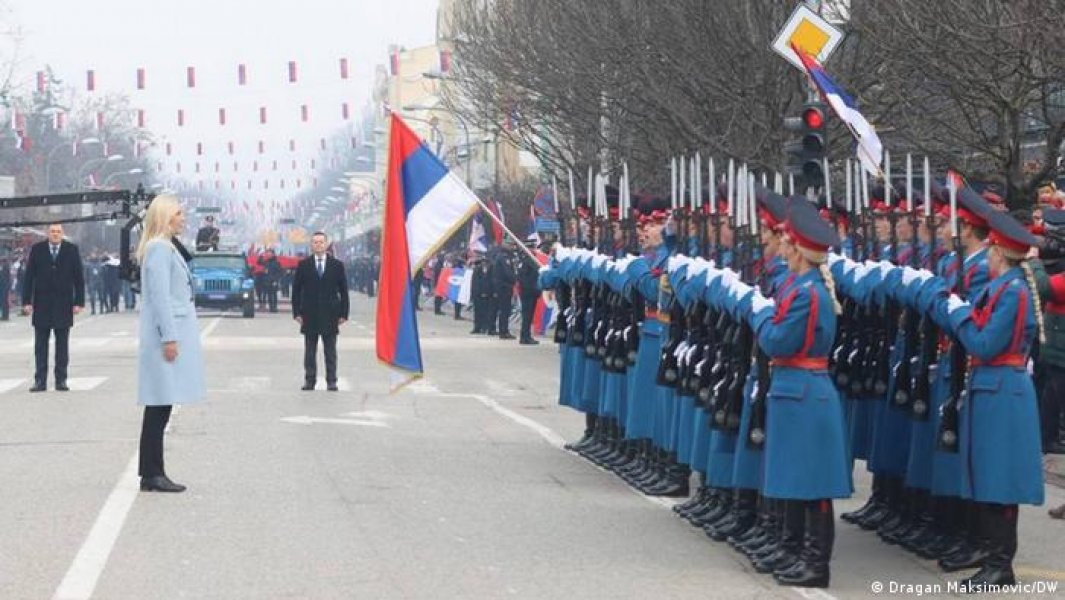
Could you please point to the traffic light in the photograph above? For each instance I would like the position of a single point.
(807, 149)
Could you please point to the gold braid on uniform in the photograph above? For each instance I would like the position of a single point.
(1030, 278)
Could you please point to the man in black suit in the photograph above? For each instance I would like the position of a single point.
(528, 279)
(320, 306)
(54, 291)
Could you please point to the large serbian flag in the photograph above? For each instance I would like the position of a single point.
(870, 150)
(424, 204)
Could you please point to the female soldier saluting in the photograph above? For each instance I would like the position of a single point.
(805, 454)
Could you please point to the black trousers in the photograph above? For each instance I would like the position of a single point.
(271, 297)
(528, 307)
(42, 336)
(438, 305)
(1050, 401)
(5, 304)
(484, 314)
(151, 450)
(310, 357)
(504, 303)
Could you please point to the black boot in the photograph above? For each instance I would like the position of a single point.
(971, 551)
(785, 555)
(891, 491)
(812, 570)
(871, 504)
(589, 429)
(744, 514)
(676, 481)
(1000, 524)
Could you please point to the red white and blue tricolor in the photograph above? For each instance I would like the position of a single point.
(870, 150)
(424, 204)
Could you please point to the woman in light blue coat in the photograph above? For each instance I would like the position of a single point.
(170, 361)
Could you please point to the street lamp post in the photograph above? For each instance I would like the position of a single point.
(51, 154)
(133, 171)
(436, 130)
(465, 131)
(95, 162)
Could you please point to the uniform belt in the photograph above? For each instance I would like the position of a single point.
(1002, 360)
(659, 315)
(802, 362)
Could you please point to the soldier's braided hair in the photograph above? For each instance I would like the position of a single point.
(1030, 278)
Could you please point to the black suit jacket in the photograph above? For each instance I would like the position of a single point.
(54, 288)
(321, 301)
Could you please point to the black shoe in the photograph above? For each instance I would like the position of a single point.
(529, 342)
(506, 336)
(491, 332)
(160, 483)
(332, 387)
(307, 387)
(475, 331)
(38, 387)
(804, 575)
(61, 387)
(966, 559)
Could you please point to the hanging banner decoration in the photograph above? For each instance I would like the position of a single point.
(292, 145)
(393, 60)
(242, 75)
(262, 114)
(292, 71)
(181, 117)
(99, 121)
(140, 118)
(59, 120)
(169, 149)
(190, 76)
(294, 164)
(197, 168)
(344, 114)
(229, 146)
(304, 113)
(261, 146)
(255, 166)
(141, 79)
(42, 82)
(221, 116)
(343, 68)
(313, 163)
(323, 143)
(445, 62)
(199, 148)
(90, 80)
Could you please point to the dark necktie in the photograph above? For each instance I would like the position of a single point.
(321, 267)
(55, 252)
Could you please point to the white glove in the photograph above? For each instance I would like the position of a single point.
(760, 302)
(834, 258)
(729, 278)
(909, 275)
(954, 303)
(698, 267)
(622, 263)
(739, 290)
(885, 267)
(544, 268)
(712, 274)
(924, 275)
(860, 271)
(598, 260)
(676, 261)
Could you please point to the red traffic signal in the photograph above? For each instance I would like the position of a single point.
(813, 117)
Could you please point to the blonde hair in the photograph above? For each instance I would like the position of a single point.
(820, 260)
(1030, 278)
(157, 222)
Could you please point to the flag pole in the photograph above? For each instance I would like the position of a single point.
(521, 243)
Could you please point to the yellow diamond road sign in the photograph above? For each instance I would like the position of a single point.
(811, 33)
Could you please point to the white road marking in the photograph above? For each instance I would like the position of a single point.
(557, 441)
(84, 384)
(306, 420)
(6, 385)
(81, 578)
(373, 415)
(84, 572)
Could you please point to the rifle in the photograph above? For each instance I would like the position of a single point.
(922, 392)
(947, 436)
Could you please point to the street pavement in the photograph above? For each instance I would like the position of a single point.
(454, 487)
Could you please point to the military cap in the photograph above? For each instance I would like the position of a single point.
(1008, 233)
(772, 208)
(806, 229)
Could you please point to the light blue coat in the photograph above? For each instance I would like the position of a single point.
(168, 314)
